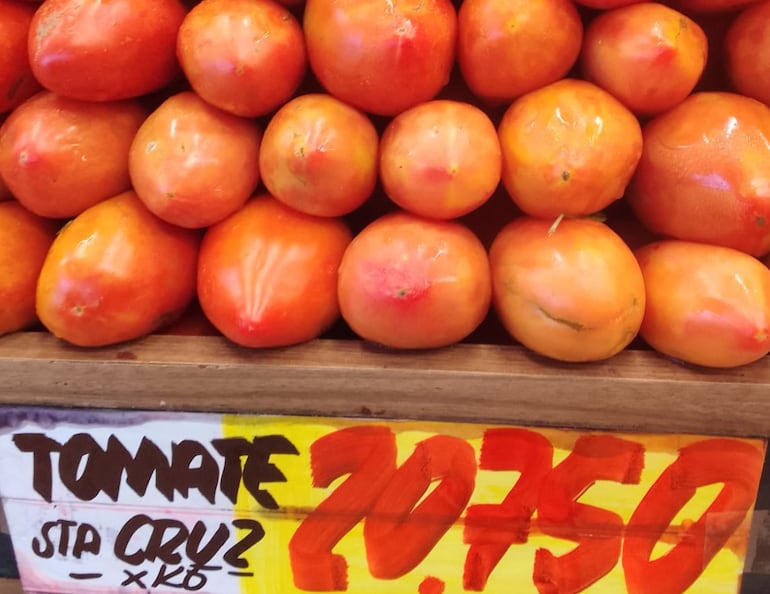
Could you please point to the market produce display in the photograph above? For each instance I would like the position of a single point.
(577, 177)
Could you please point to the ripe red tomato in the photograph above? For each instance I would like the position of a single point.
(244, 56)
(59, 156)
(574, 294)
(193, 164)
(747, 48)
(319, 155)
(710, 6)
(649, 56)
(102, 51)
(25, 240)
(440, 159)
(704, 174)
(568, 148)
(413, 283)
(267, 275)
(707, 305)
(16, 80)
(116, 273)
(509, 47)
(382, 56)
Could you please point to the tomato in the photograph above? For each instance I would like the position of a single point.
(103, 51)
(244, 56)
(568, 148)
(25, 238)
(59, 156)
(17, 82)
(704, 174)
(747, 48)
(707, 305)
(647, 55)
(574, 294)
(605, 4)
(267, 275)
(116, 273)
(440, 159)
(412, 283)
(531, 44)
(193, 164)
(319, 155)
(382, 56)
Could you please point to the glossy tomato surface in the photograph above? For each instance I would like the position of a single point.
(510, 47)
(193, 164)
(320, 155)
(244, 56)
(102, 51)
(59, 156)
(116, 273)
(574, 293)
(382, 56)
(25, 240)
(413, 283)
(568, 148)
(647, 55)
(707, 305)
(17, 82)
(267, 275)
(440, 159)
(704, 174)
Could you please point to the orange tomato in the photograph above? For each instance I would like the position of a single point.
(59, 156)
(193, 164)
(412, 283)
(574, 294)
(509, 47)
(605, 4)
(246, 57)
(568, 148)
(319, 155)
(647, 55)
(707, 305)
(747, 49)
(704, 174)
(267, 275)
(17, 82)
(105, 51)
(25, 238)
(381, 56)
(116, 273)
(440, 159)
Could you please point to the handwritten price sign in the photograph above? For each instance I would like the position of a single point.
(134, 502)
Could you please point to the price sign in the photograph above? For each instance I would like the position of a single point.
(102, 502)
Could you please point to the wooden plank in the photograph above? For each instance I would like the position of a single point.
(635, 391)
(8, 586)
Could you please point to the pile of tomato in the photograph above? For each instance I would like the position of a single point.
(572, 176)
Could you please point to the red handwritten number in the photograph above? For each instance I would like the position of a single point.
(599, 532)
(734, 463)
(368, 454)
(490, 529)
(398, 535)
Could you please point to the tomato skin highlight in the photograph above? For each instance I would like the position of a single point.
(105, 51)
(267, 275)
(116, 273)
